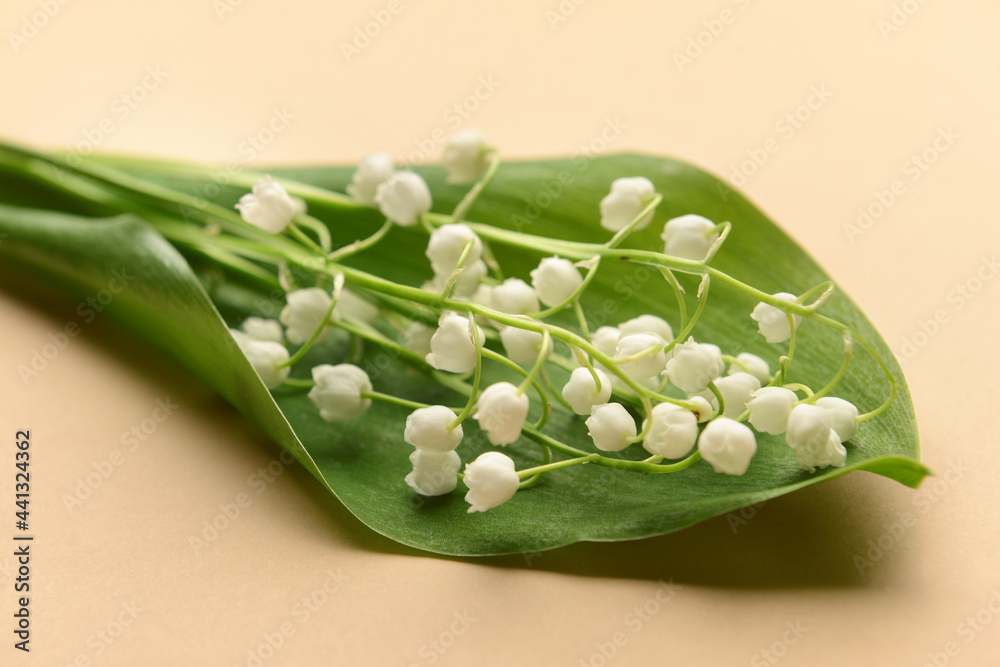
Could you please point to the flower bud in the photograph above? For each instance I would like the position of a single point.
(452, 346)
(492, 480)
(403, 198)
(736, 390)
(555, 280)
(522, 346)
(611, 427)
(501, 411)
(265, 357)
(465, 156)
(703, 410)
(648, 324)
(843, 416)
(625, 202)
(770, 408)
(581, 391)
(688, 237)
(728, 445)
(755, 366)
(515, 296)
(338, 391)
(694, 365)
(372, 171)
(269, 206)
(672, 433)
(258, 328)
(428, 428)
(446, 245)
(304, 314)
(434, 473)
(605, 339)
(649, 364)
(352, 305)
(773, 322)
(812, 440)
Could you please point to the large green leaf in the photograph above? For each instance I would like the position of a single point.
(363, 462)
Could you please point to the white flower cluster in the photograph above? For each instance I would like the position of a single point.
(634, 383)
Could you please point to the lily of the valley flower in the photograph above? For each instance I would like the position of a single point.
(641, 355)
(728, 445)
(452, 346)
(672, 433)
(773, 322)
(770, 408)
(688, 237)
(434, 473)
(736, 390)
(446, 245)
(258, 328)
(555, 280)
(648, 324)
(372, 171)
(269, 206)
(843, 416)
(611, 427)
(466, 155)
(522, 346)
(492, 480)
(515, 296)
(501, 412)
(755, 366)
(339, 390)
(625, 202)
(813, 440)
(403, 198)
(581, 391)
(694, 365)
(430, 429)
(266, 358)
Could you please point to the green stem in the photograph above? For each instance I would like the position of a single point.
(630, 227)
(301, 352)
(678, 293)
(363, 244)
(471, 196)
(474, 394)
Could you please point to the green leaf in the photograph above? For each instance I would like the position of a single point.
(363, 462)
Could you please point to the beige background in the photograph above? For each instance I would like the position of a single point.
(117, 580)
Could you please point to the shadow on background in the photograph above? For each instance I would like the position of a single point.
(808, 539)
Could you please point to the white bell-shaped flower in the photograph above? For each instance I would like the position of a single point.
(770, 408)
(269, 206)
(773, 322)
(352, 305)
(258, 328)
(468, 283)
(372, 171)
(403, 198)
(688, 237)
(522, 346)
(466, 155)
(694, 365)
(625, 202)
(611, 427)
(648, 324)
(736, 390)
(266, 358)
(429, 428)
(339, 390)
(672, 431)
(304, 314)
(492, 480)
(446, 245)
(434, 473)
(728, 445)
(755, 366)
(606, 339)
(813, 440)
(582, 393)
(843, 416)
(643, 363)
(452, 346)
(417, 338)
(516, 297)
(501, 411)
(555, 280)
(703, 410)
